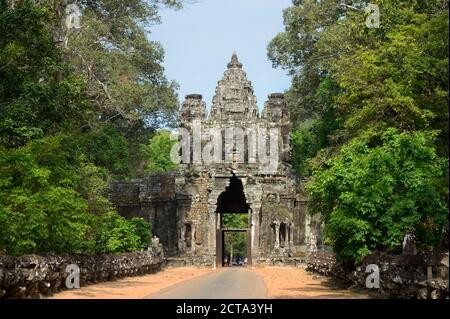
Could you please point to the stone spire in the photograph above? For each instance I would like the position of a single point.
(234, 63)
(234, 100)
(276, 109)
(193, 108)
(276, 114)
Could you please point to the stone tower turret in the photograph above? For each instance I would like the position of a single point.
(193, 108)
(275, 109)
(234, 99)
(276, 115)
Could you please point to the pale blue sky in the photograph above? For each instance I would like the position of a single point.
(200, 39)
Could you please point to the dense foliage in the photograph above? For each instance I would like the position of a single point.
(44, 209)
(371, 109)
(235, 241)
(235, 245)
(157, 153)
(75, 106)
(371, 196)
(233, 220)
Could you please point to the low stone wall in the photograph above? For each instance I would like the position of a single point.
(298, 262)
(200, 261)
(322, 263)
(155, 199)
(33, 276)
(401, 276)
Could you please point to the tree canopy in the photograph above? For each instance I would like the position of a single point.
(76, 105)
(371, 109)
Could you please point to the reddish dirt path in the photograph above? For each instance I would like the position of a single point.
(134, 287)
(297, 283)
(280, 282)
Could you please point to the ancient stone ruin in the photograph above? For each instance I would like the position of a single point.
(39, 276)
(185, 207)
(422, 276)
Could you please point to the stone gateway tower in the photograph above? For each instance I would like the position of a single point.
(233, 161)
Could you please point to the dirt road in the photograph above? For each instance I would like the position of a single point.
(225, 283)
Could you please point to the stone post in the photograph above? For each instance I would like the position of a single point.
(277, 234)
(286, 234)
(181, 240)
(312, 247)
(291, 236)
(255, 239)
(193, 226)
(307, 228)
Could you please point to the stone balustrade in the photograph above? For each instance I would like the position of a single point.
(38, 276)
(423, 276)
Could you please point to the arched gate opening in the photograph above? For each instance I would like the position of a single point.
(233, 234)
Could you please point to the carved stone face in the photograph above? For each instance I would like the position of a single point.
(193, 107)
(234, 99)
(271, 198)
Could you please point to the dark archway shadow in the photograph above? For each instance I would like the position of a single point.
(232, 201)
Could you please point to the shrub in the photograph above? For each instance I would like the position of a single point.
(143, 230)
(378, 189)
(157, 153)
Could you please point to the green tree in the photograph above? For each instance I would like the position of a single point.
(122, 66)
(105, 147)
(235, 241)
(143, 230)
(378, 189)
(395, 75)
(33, 103)
(40, 211)
(92, 187)
(295, 50)
(351, 86)
(157, 153)
(233, 220)
(53, 201)
(75, 106)
(115, 235)
(108, 73)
